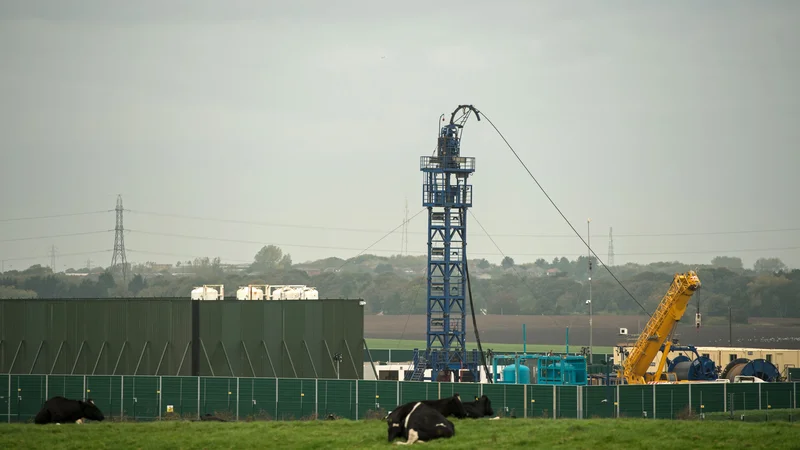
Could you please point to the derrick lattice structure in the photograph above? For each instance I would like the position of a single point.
(447, 194)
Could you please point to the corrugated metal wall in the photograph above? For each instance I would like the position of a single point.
(284, 339)
(154, 337)
(94, 336)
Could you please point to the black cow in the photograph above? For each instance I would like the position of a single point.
(421, 423)
(448, 406)
(62, 410)
(481, 407)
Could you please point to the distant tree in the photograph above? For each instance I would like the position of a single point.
(507, 262)
(728, 262)
(137, 284)
(384, 268)
(483, 264)
(769, 265)
(267, 258)
(106, 281)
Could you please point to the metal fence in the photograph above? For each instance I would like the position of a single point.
(147, 398)
(385, 355)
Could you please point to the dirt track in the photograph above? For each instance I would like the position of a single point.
(766, 333)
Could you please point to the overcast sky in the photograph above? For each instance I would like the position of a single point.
(649, 118)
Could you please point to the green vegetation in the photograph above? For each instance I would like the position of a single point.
(396, 284)
(407, 344)
(758, 415)
(478, 434)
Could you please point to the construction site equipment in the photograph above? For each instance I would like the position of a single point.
(657, 334)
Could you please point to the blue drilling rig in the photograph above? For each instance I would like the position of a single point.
(447, 195)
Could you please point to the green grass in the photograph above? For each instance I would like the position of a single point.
(406, 344)
(476, 434)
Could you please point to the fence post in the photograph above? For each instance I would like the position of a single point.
(84, 388)
(160, 406)
(554, 402)
(277, 380)
(357, 399)
(316, 397)
(237, 399)
(759, 395)
(654, 401)
(46, 387)
(399, 400)
(725, 397)
(616, 403)
(525, 395)
(579, 402)
(9, 398)
(691, 406)
(122, 398)
(198, 397)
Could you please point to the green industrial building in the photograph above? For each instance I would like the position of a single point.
(178, 336)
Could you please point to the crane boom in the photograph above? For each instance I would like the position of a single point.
(659, 330)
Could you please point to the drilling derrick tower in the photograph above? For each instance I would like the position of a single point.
(447, 195)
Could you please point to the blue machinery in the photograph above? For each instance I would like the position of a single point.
(447, 196)
(701, 368)
(559, 370)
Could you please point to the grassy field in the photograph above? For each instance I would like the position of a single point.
(406, 344)
(476, 434)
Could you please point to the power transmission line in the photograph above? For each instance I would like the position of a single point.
(27, 258)
(182, 255)
(33, 238)
(611, 247)
(119, 257)
(54, 216)
(517, 235)
(421, 252)
(53, 259)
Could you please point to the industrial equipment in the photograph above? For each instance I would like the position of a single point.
(759, 368)
(701, 368)
(251, 292)
(447, 195)
(658, 332)
(559, 370)
(207, 292)
(292, 292)
(277, 292)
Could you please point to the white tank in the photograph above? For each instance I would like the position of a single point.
(292, 293)
(207, 293)
(249, 293)
(278, 293)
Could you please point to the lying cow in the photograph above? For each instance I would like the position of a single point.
(448, 406)
(420, 423)
(62, 410)
(481, 407)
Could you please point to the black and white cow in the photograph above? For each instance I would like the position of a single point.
(420, 423)
(481, 407)
(62, 410)
(448, 406)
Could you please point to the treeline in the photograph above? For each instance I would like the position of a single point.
(396, 285)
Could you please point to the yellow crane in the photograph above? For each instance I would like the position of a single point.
(659, 331)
